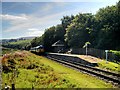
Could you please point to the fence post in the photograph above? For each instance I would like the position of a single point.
(106, 55)
(32, 87)
(13, 86)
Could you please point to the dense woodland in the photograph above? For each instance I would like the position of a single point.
(100, 29)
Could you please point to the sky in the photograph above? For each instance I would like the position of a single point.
(24, 18)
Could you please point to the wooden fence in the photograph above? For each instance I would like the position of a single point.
(94, 52)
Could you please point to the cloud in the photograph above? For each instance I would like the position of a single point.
(33, 29)
(33, 21)
(13, 17)
(34, 32)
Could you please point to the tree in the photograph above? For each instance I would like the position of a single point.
(37, 41)
(66, 20)
(78, 32)
(59, 33)
(108, 37)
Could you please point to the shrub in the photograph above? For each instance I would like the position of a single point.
(117, 55)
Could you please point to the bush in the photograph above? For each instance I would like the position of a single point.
(117, 55)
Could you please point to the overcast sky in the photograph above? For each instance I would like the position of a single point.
(23, 18)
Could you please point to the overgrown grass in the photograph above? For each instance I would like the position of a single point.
(114, 67)
(79, 79)
(25, 70)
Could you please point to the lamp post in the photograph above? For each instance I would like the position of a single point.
(85, 46)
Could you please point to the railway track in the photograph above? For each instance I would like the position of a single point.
(108, 76)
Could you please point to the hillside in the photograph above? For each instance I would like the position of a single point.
(27, 70)
(5, 41)
(20, 44)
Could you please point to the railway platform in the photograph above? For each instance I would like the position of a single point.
(83, 59)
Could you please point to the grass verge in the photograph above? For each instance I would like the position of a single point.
(27, 70)
(111, 66)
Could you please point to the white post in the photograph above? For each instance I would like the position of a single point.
(106, 55)
(86, 49)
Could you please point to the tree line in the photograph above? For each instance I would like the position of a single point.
(100, 29)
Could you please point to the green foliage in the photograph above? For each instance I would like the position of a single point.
(52, 35)
(78, 32)
(49, 38)
(108, 36)
(117, 54)
(37, 41)
(66, 21)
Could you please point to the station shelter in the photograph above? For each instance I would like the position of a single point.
(58, 47)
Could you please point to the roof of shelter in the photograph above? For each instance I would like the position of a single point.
(58, 43)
